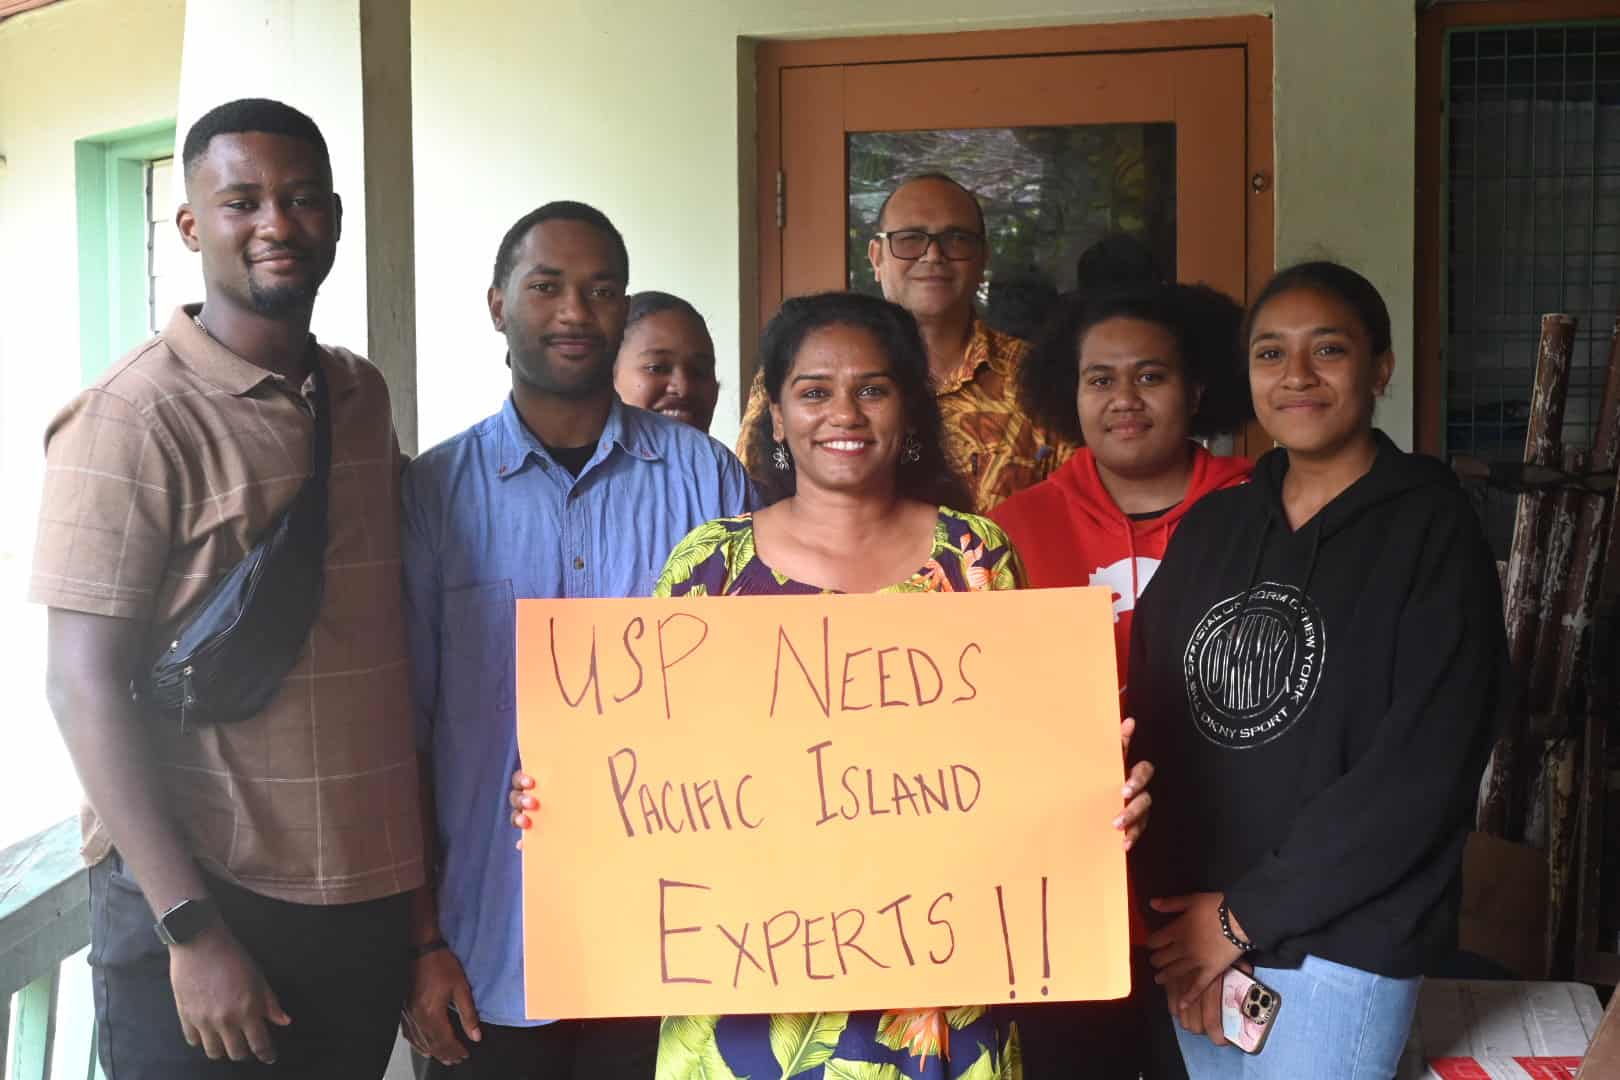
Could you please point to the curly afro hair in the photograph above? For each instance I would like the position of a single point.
(1206, 324)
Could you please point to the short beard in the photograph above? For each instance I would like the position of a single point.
(280, 301)
(538, 380)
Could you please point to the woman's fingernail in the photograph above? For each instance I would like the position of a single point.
(1119, 822)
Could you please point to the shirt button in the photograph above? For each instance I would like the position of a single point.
(579, 563)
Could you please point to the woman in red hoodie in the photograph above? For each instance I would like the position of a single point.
(1135, 377)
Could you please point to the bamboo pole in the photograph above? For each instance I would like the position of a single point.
(1606, 585)
(1603, 588)
(1588, 885)
(1594, 540)
(1560, 787)
(1565, 517)
(1501, 809)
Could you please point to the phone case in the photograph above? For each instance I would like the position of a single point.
(1248, 1010)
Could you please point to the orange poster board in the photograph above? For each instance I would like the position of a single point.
(822, 803)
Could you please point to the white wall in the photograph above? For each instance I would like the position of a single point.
(344, 63)
(67, 72)
(633, 105)
(307, 54)
(1346, 124)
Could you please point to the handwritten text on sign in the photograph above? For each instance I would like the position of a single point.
(797, 804)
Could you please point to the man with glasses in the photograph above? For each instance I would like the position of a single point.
(929, 255)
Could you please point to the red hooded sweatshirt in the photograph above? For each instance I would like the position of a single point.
(1069, 532)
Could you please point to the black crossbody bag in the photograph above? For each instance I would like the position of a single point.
(237, 644)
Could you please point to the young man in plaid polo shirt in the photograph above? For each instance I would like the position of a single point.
(249, 881)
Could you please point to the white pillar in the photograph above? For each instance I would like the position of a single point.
(347, 64)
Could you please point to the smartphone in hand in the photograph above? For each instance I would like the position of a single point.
(1248, 1010)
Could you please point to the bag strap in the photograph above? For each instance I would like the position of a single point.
(306, 521)
(321, 459)
(322, 405)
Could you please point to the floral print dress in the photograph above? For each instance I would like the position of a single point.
(970, 554)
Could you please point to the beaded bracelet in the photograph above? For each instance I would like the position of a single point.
(1226, 929)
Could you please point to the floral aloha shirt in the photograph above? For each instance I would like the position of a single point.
(968, 1043)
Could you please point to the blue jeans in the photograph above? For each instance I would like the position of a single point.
(1335, 1023)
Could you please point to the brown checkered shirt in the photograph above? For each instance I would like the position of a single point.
(989, 439)
(159, 478)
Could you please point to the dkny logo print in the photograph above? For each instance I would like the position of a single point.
(1252, 665)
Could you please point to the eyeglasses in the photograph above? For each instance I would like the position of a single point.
(954, 244)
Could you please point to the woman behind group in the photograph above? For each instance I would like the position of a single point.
(1315, 669)
(666, 360)
(860, 499)
(1134, 377)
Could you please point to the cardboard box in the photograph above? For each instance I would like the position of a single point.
(1481, 1030)
(1603, 1056)
(1504, 904)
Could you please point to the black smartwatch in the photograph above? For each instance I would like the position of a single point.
(184, 921)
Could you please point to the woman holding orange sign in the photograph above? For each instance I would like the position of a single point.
(860, 499)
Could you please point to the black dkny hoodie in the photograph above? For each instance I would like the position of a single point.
(1320, 704)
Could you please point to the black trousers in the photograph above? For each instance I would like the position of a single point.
(340, 972)
(1101, 1040)
(565, 1050)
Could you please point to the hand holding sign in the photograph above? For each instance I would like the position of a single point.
(812, 803)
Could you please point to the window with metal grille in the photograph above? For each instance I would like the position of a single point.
(1532, 226)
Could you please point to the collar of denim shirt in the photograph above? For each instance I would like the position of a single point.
(625, 429)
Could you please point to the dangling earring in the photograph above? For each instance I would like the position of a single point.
(911, 452)
(780, 458)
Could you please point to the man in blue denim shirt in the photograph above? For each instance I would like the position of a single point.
(565, 492)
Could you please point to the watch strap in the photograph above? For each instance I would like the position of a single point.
(185, 920)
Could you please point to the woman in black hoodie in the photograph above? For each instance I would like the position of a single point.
(1314, 670)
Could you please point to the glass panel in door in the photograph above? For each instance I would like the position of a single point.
(1049, 194)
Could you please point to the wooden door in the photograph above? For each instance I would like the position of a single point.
(1204, 86)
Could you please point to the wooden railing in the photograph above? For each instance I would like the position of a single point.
(44, 920)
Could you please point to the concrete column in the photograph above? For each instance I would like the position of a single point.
(347, 64)
(1346, 175)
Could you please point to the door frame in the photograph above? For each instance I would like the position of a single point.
(1250, 32)
(1428, 258)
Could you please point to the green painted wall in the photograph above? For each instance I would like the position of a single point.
(110, 182)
